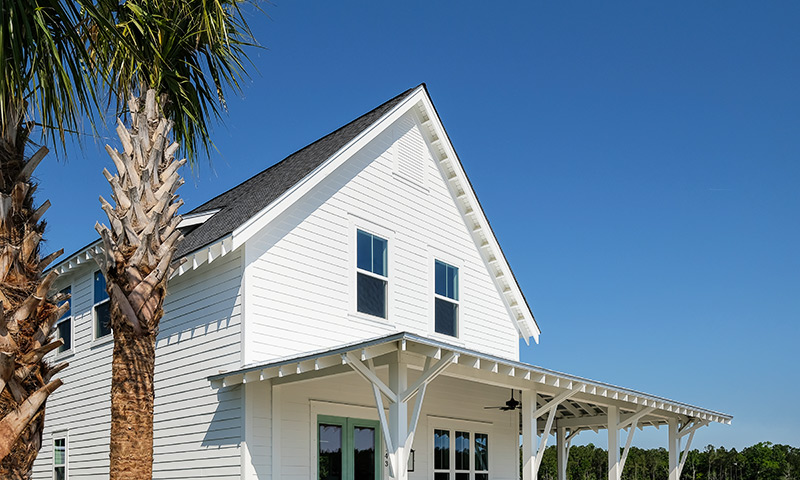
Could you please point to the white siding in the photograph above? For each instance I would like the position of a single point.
(197, 429)
(449, 403)
(300, 277)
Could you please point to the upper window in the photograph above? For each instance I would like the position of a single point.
(102, 307)
(446, 299)
(372, 274)
(59, 458)
(64, 325)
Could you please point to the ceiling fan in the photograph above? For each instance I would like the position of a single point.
(512, 404)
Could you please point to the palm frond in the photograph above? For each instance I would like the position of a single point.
(190, 52)
(44, 66)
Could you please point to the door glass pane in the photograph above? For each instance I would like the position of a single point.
(441, 450)
(330, 452)
(462, 451)
(462, 476)
(364, 453)
(481, 452)
(481, 476)
(441, 476)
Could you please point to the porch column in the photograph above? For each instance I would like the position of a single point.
(398, 418)
(614, 472)
(674, 448)
(562, 446)
(529, 432)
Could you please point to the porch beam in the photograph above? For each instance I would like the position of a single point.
(692, 427)
(614, 472)
(369, 375)
(428, 375)
(556, 401)
(686, 452)
(529, 433)
(635, 417)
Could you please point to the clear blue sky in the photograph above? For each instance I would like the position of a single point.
(639, 162)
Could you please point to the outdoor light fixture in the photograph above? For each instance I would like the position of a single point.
(411, 460)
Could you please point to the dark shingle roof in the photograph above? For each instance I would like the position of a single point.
(245, 200)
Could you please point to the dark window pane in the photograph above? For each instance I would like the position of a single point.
(371, 295)
(364, 251)
(481, 452)
(462, 451)
(441, 450)
(65, 334)
(446, 317)
(441, 278)
(481, 476)
(60, 473)
(441, 476)
(102, 315)
(462, 476)
(379, 256)
(364, 453)
(99, 287)
(66, 291)
(330, 452)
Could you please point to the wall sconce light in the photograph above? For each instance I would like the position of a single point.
(411, 460)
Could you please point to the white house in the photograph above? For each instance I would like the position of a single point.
(345, 314)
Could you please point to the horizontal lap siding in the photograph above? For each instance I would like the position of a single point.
(197, 429)
(299, 277)
(445, 399)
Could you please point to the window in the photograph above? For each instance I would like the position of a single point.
(372, 276)
(347, 448)
(463, 456)
(102, 307)
(445, 299)
(64, 325)
(59, 458)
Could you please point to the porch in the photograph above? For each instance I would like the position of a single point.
(430, 422)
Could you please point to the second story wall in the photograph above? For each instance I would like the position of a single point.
(195, 427)
(300, 274)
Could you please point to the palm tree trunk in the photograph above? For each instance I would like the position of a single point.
(27, 314)
(139, 247)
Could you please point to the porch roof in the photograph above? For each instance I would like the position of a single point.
(585, 406)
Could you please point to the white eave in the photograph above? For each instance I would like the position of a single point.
(473, 366)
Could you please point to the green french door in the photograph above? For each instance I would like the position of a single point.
(347, 449)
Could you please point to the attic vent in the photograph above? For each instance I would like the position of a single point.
(410, 151)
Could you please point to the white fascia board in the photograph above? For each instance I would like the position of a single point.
(526, 326)
(79, 258)
(260, 220)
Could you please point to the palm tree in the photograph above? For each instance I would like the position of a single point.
(42, 84)
(170, 61)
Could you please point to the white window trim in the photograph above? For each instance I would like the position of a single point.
(71, 349)
(96, 341)
(433, 255)
(472, 427)
(355, 224)
(55, 436)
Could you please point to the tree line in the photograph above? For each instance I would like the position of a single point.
(762, 461)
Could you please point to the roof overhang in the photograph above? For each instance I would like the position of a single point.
(586, 409)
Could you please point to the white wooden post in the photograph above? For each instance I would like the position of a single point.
(398, 419)
(674, 447)
(561, 445)
(613, 443)
(529, 431)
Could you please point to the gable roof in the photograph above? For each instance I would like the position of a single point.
(244, 201)
(225, 222)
